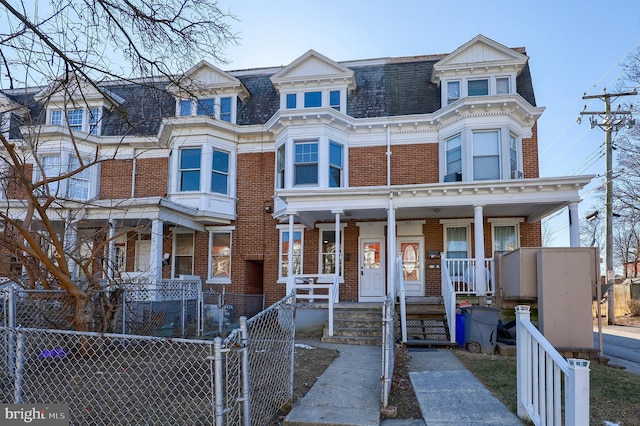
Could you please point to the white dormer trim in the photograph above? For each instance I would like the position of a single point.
(479, 56)
(72, 92)
(207, 80)
(314, 70)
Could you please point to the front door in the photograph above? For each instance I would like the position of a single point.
(412, 252)
(372, 270)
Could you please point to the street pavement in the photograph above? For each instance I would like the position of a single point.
(621, 344)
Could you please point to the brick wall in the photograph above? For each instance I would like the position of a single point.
(530, 155)
(151, 177)
(368, 166)
(115, 179)
(414, 164)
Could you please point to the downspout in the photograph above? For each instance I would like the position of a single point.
(133, 177)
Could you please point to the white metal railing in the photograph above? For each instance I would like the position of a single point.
(462, 274)
(306, 287)
(541, 374)
(449, 300)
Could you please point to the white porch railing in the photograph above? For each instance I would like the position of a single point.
(462, 274)
(321, 287)
(542, 372)
(449, 300)
(402, 296)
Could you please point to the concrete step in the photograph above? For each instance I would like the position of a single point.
(352, 340)
(361, 314)
(357, 322)
(354, 332)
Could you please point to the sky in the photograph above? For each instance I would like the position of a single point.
(575, 47)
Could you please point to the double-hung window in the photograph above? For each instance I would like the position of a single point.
(51, 169)
(297, 245)
(505, 237)
(185, 107)
(334, 99)
(220, 252)
(502, 86)
(335, 165)
(225, 109)
(453, 91)
(183, 254)
(79, 182)
(220, 172)
(453, 159)
(513, 157)
(280, 166)
(74, 116)
(56, 117)
(328, 259)
(306, 163)
(94, 121)
(190, 169)
(486, 155)
(5, 123)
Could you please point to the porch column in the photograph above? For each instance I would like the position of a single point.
(391, 242)
(480, 274)
(338, 249)
(155, 255)
(111, 254)
(70, 246)
(290, 279)
(574, 225)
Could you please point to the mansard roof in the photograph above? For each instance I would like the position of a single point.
(383, 87)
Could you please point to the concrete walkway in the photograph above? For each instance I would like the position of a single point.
(348, 392)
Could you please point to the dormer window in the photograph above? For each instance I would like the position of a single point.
(502, 86)
(453, 91)
(291, 100)
(478, 87)
(334, 99)
(78, 119)
(219, 107)
(312, 99)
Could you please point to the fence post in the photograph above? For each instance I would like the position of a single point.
(577, 392)
(184, 308)
(244, 350)
(218, 381)
(124, 311)
(19, 375)
(523, 313)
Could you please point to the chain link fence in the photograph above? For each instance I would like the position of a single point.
(175, 308)
(125, 379)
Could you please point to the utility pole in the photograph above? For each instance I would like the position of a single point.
(610, 121)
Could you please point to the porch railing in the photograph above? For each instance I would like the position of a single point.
(402, 296)
(449, 300)
(462, 274)
(541, 374)
(321, 287)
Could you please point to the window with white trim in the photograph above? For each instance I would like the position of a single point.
(313, 99)
(328, 251)
(220, 172)
(486, 155)
(335, 165)
(220, 257)
(182, 254)
(219, 107)
(334, 99)
(79, 119)
(453, 159)
(291, 101)
(190, 169)
(280, 166)
(306, 163)
(513, 157)
(453, 91)
(456, 241)
(505, 237)
(51, 168)
(502, 86)
(479, 87)
(79, 183)
(298, 246)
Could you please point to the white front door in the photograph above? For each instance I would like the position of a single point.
(372, 270)
(412, 250)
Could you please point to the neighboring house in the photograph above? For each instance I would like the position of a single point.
(313, 168)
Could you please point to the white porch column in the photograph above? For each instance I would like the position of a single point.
(155, 255)
(338, 250)
(574, 225)
(111, 254)
(480, 274)
(290, 279)
(70, 246)
(391, 241)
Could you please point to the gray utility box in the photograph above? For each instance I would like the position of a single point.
(480, 329)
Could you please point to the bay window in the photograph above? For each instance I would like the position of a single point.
(51, 168)
(280, 167)
(79, 182)
(190, 169)
(298, 245)
(486, 155)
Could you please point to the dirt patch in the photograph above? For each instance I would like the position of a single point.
(402, 395)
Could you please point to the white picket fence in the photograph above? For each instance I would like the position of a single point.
(543, 374)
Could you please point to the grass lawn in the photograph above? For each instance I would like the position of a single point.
(615, 394)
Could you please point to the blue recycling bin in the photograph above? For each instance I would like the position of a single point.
(460, 336)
